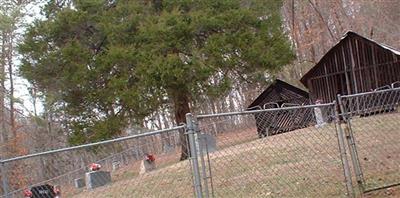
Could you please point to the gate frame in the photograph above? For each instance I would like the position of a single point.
(347, 117)
(343, 154)
(348, 131)
(191, 132)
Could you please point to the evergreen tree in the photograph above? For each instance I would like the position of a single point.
(108, 62)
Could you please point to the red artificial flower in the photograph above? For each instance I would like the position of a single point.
(57, 190)
(27, 193)
(150, 158)
(94, 167)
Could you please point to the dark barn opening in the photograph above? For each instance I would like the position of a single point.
(281, 94)
(354, 65)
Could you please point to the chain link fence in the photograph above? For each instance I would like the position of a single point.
(372, 128)
(300, 157)
(144, 165)
(320, 150)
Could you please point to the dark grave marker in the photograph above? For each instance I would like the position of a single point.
(96, 179)
(43, 191)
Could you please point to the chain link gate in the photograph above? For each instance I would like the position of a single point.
(304, 155)
(372, 123)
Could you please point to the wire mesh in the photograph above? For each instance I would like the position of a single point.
(374, 121)
(142, 166)
(275, 150)
(299, 157)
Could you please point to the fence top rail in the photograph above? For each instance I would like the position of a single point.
(371, 92)
(91, 144)
(252, 111)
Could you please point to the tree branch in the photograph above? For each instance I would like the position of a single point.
(323, 20)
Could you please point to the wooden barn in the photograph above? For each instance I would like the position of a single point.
(281, 94)
(355, 64)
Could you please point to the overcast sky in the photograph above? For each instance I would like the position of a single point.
(20, 84)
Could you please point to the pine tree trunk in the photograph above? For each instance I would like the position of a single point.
(11, 79)
(181, 104)
(4, 134)
(12, 109)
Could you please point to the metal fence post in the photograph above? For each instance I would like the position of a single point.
(193, 155)
(343, 154)
(352, 146)
(201, 152)
(4, 179)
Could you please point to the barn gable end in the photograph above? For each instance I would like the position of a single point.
(281, 92)
(354, 65)
(276, 95)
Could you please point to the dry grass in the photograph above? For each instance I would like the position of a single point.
(378, 145)
(301, 163)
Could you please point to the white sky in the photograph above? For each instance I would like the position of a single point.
(21, 85)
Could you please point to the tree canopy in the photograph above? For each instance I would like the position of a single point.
(105, 63)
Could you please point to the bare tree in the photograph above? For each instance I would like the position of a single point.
(314, 26)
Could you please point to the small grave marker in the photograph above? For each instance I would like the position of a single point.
(96, 179)
(115, 165)
(79, 183)
(319, 117)
(43, 191)
(148, 164)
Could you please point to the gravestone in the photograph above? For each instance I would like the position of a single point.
(79, 183)
(115, 165)
(96, 179)
(147, 166)
(319, 115)
(43, 191)
(207, 143)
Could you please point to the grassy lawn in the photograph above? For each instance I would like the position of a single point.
(378, 145)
